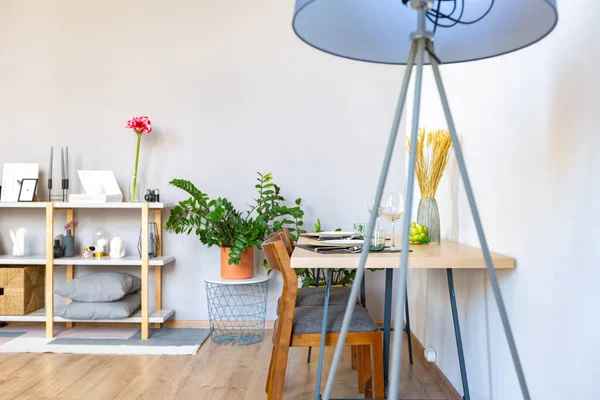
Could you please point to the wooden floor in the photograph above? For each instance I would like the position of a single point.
(216, 372)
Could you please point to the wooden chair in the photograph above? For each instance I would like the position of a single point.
(301, 327)
(338, 295)
(312, 297)
(315, 296)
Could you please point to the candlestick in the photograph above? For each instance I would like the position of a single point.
(51, 161)
(62, 162)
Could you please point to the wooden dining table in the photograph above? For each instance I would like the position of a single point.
(448, 255)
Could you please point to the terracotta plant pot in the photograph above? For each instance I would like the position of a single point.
(244, 270)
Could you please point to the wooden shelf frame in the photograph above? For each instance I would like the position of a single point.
(145, 316)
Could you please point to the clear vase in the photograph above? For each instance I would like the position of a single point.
(153, 241)
(135, 188)
(428, 215)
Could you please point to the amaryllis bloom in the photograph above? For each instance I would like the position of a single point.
(140, 124)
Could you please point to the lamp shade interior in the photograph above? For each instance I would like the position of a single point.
(379, 30)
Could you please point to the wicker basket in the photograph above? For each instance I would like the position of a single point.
(21, 289)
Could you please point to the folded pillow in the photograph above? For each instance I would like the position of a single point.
(105, 310)
(102, 286)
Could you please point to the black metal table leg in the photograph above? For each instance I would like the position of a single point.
(387, 321)
(363, 292)
(323, 333)
(407, 329)
(459, 345)
(317, 277)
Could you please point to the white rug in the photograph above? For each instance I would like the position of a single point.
(101, 340)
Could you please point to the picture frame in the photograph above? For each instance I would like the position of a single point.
(27, 190)
(12, 174)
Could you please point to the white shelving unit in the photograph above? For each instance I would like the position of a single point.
(120, 206)
(23, 205)
(155, 317)
(28, 260)
(107, 261)
(145, 315)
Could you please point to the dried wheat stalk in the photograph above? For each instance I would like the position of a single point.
(433, 153)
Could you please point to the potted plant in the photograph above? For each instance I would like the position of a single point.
(217, 222)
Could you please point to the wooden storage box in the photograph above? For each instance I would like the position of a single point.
(21, 289)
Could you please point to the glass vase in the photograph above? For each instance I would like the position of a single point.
(153, 241)
(135, 194)
(428, 215)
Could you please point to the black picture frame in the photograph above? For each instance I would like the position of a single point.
(28, 195)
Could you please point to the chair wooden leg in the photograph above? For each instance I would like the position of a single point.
(275, 340)
(360, 368)
(354, 358)
(268, 386)
(279, 370)
(367, 372)
(378, 382)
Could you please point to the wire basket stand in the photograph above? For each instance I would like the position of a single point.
(237, 310)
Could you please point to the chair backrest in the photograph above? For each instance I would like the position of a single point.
(279, 259)
(286, 238)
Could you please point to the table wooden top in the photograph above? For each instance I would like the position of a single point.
(448, 254)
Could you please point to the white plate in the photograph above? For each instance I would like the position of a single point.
(335, 234)
(343, 242)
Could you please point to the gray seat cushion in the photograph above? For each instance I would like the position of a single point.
(315, 297)
(311, 297)
(309, 320)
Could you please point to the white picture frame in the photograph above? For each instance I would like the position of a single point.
(12, 174)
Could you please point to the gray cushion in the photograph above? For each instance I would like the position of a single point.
(315, 297)
(311, 297)
(309, 320)
(102, 286)
(105, 310)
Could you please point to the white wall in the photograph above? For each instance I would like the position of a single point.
(230, 90)
(529, 129)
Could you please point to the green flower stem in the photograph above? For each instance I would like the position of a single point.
(137, 159)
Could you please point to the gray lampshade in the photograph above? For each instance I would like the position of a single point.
(379, 30)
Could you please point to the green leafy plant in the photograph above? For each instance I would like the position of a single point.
(217, 222)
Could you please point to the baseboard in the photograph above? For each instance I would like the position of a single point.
(434, 371)
(170, 324)
(201, 324)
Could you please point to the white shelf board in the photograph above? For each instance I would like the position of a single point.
(138, 206)
(27, 260)
(156, 317)
(107, 261)
(34, 204)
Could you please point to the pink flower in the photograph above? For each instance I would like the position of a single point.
(140, 124)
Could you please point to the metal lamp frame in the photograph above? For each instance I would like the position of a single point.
(422, 41)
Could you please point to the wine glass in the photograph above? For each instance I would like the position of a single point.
(370, 205)
(393, 208)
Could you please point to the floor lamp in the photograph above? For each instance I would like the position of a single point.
(464, 30)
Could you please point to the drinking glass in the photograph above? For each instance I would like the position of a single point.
(379, 210)
(393, 208)
(360, 229)
(378, 240)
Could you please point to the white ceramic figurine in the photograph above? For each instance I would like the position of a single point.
(117, 248)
